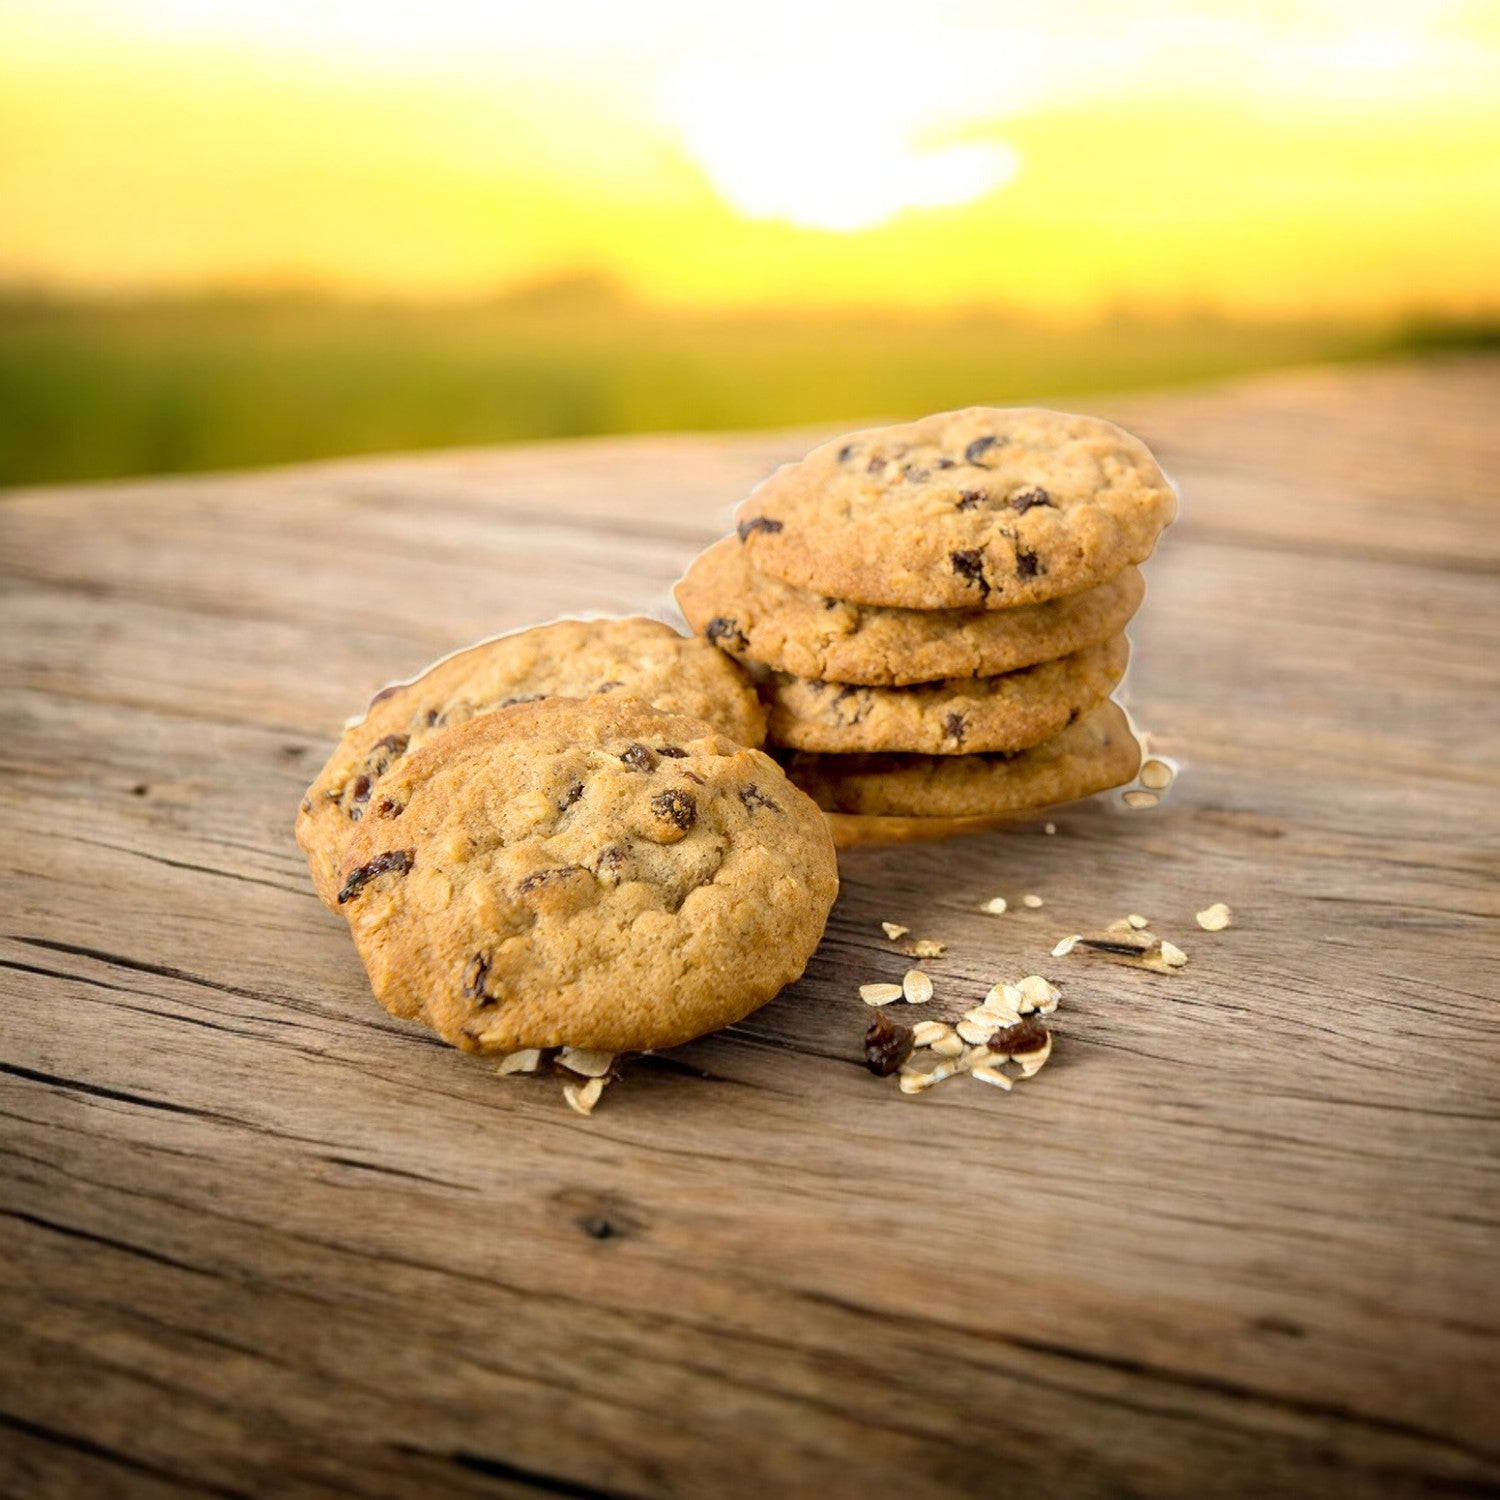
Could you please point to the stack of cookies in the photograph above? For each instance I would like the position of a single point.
(934, 612)
(567, 838)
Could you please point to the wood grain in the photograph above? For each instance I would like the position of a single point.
(1239, 1238)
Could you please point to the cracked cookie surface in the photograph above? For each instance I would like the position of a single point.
(570, 658)
(590, 873)
(1096, 753)
(986, 508)
(956, 717)
(755, 617)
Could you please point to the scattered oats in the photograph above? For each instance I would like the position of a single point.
(1140, 799)
(1067, 945)
(1034, 902)
(1157, 775)
(879, 994)
(1135, 920)
(925, 1033)
(1215, 918)
(894, 930)
(1050, 828)
(583, 1097)
(1030, 1063)
(913, 1080)
(582, 1060)
(995, 906)
(1038, 994)
(926, 948)
(521, 1062)
(989, 1073)
(917, 987)
(1172, 955)
(977, 1031)
(951, 1045)
(1004, 997)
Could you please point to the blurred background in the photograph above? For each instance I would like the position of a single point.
(237, 234)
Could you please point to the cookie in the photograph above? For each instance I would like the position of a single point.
(589, 873)
(1096, 753)
(572, 658)
(959, 716)
(755, 617)
(985, 508)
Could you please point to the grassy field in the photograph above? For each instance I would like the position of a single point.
(99, 389)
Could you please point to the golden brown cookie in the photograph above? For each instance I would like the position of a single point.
(984, 508)
(1096, 753)
(589, 873)
(957, 717)
(571, 658)
(755, 617)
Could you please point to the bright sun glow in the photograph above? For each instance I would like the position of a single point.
(823, 151)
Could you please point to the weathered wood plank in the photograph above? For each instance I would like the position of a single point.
(258, 1237)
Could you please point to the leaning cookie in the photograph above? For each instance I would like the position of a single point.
(956, 717)
(571, 658)
(592, 874)
(1093, 755)
(984, 508)
(757, 618)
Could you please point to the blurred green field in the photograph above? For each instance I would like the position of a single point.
(102, 389)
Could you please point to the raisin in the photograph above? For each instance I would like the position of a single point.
(675, 751)
(757, 523)
(569, 797)
(386, 808)
(694, 777)
(887, 1046)
(394, 743)
(832, 603)
(1027, 1035)
(969, 565)
(915, 474)
(1028, 564)
(753, 797)
(609, 862)
(476, 972)
(978, 448)
(397, 861)
(676, 808)
(875, 465)
(640, 757)
(953, 727)
(944, 463)
(1030, 499)
(524, 698)
(725, 631)
(846, 453)
(970, 499)
(539, 878)
(608, 687)
(359, 794)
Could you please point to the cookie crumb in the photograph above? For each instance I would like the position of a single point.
(1214, 918)
(894, 930)
(1172, 954)
(917, 987)
(583, 1097)
(1140, 799)
(527, 1061)
(1034, 902)
(1050, 828)
(879, 994)
(1137, 921)
(926, 948)
(995, 906)
(1157, 775)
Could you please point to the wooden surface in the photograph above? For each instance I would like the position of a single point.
(1239, 1238)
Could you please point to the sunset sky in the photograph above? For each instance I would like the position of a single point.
(1067, 156)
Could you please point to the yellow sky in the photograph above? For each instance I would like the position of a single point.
(1060, 156)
